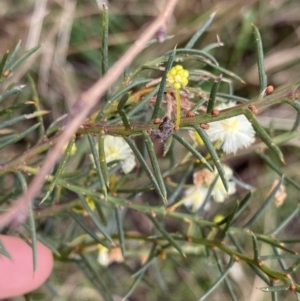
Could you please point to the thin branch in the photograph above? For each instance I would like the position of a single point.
(18, 212)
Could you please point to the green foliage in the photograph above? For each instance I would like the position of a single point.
(125, 202)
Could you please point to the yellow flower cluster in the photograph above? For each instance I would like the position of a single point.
(177, 77)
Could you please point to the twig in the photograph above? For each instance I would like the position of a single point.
(18, 212)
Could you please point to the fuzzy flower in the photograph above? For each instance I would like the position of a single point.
(194, 197)
(219, 193)
(204, 177)
(232, 133)
(177, 77)
(116, 149)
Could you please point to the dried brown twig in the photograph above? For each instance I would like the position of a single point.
(18, 212)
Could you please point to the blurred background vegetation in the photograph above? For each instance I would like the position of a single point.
(69, 61)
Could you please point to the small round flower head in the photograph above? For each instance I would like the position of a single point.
(194, 197)
(116, 149)
(219, 193)
(177, 77)
(205, 178)
(232, 133)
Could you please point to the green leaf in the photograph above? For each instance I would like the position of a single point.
(232, 97)
(161, 90)
(144, 165)
(273, 242)
(91, 265)
(122, 112)
(165, 234)
(18, 106)
(59, 170)
(20, 60)
(269, 162)
(134, 285)
(228, 221)
(87, 230)
(263, 135)
(255, 247)
(120, 230)
(219, 280)
(226, 280)
(200, 31)
(285, 222)
(213, 94)
(143, 102)
(36, 101)
(99, 208)
(159, 277)
(293, 267)
(119, 95)
(12, 121)
(264, 206)
(98, 166)
(13, 56)
(213, 154)
(2, 64)
(178, 189)
(94, 219)
(155, 166)
(192, 54)
(212, 46)
(10, 92)
(278, 288)
(152, 255)
(20, 136)
(260, 59)
(33, 237)
(192, 150)
(104, 48)
(257, 271)
(243, 204)
(208, 195)
(167, 145)
(222, 70)
(32, 226)
(102, 159)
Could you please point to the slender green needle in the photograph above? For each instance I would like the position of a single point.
(213, 154)
(200, 31)
(161, 90)
(213, 95)
(260, 59)
(59, 171)
(155, 165)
